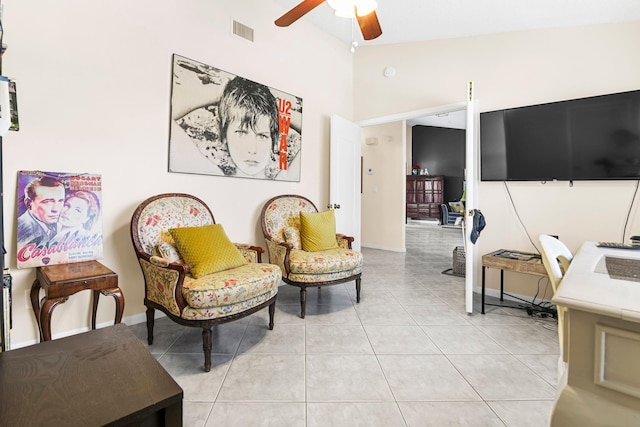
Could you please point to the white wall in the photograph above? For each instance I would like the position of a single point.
(93, 96)
(508, 70)
(383, 205)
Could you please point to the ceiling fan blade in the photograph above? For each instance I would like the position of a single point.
(369, 25)
(297, 12)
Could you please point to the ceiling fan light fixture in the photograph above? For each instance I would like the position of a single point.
(348, 8)
(342, 8)
(363, 11)
(365, 7)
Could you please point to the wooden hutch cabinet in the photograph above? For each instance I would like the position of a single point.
(424, 196)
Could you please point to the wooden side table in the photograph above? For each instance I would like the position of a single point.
(519, 262)
(61, 281)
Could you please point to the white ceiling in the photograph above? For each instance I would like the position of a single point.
(418, 20)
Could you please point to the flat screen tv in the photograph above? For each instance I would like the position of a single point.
(595, 138)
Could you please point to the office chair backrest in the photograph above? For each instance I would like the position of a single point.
(556, 258)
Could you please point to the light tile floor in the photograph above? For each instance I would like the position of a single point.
(407, 355)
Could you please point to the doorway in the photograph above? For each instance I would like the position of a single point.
(398, 216)
(386, 163)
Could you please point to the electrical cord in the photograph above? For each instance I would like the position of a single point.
(633, 200)
(536, 294)
(513, 205)
(542, 305)
(624, 230)
(541, 308)
(543, 301)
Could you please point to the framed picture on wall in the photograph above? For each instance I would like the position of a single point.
(59, 218)
(226, 125)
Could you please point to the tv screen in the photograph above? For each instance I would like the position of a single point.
(583, 139)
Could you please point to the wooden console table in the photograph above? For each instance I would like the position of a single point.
(505, 259)
(104, 377)
(61, 281)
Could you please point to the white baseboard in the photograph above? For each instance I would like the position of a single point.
(130, 320)
(382, 248)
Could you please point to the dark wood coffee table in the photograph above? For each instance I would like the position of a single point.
(104, 377)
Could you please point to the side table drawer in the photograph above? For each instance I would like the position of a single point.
(66, 288)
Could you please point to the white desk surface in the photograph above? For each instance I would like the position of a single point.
(586, 289)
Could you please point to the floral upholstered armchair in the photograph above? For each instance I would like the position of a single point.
(192, 272)
(293, 228)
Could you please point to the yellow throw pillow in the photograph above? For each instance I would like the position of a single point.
(318, 231)
(206, 249)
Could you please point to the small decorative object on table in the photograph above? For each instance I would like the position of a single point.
(415, 170)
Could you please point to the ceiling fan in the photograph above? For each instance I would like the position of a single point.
(363, 10)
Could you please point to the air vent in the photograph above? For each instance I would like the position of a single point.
(242, 31)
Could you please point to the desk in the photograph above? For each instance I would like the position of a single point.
(104, 377)
(61, 281)
(602, 324)
(519, 262)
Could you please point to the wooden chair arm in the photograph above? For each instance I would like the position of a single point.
(163, 284)
(249, 252)
(279, 254)
(162, 262)
(342, 238)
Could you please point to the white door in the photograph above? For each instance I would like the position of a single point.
(344, 185)
(472, 180)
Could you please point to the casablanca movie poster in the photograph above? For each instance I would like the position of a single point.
(226, 125)
(59, 218)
